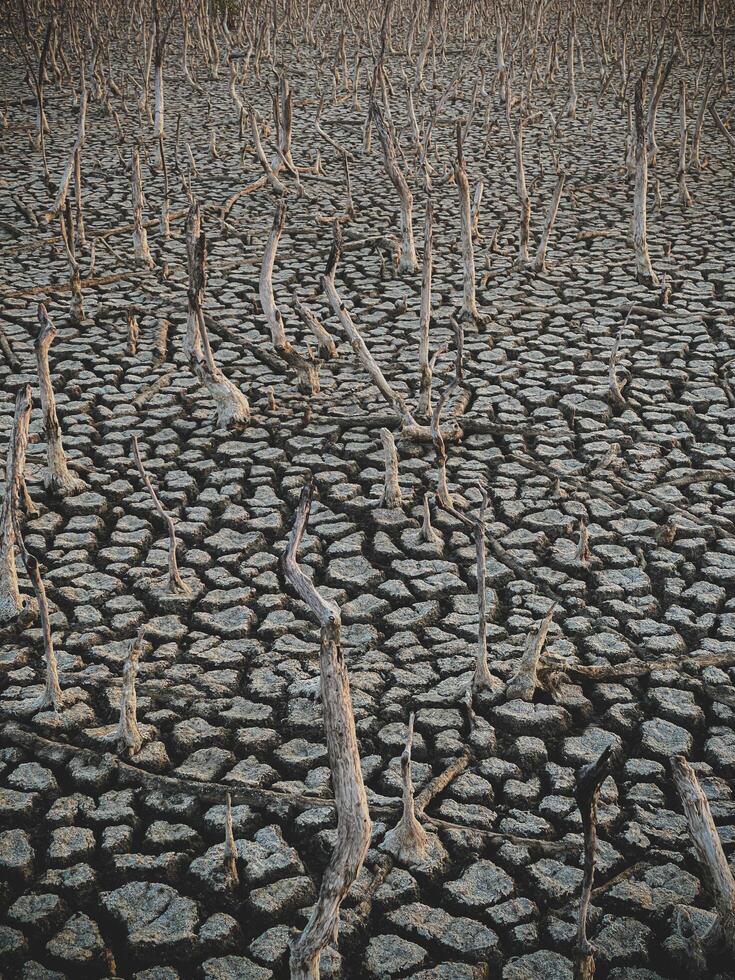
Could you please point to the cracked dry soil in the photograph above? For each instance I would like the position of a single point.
(114, 866)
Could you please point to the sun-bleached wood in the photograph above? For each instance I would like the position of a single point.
(12, 604)
(587, 790)
(428, 534)
(128, 736)
(685, 198)
(523, 683)
(175, 581)
(353, 817)
(232, 406)
(539, 263)
(391, 496)
(708, 847)
(644, 269)
(423, 408)
(408, 261)
(408, 841)
(481, 679)
(305, 369)
(140, 236)
(58, 478)
(469, 302)
(230, 854)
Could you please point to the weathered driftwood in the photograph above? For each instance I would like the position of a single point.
(353, 818)
(644, 269)
(615, 390)
(685, 197)
(582, 552)
(423, 409)
(482, 679)
(661, 76)
(570, 109)
(524, 682)
(305, 368)
(230, 855)
(57, 478)
(76, 304)
(395, 400)
(523, 196)
(232, 405)
(408, 261)
(428, 534)
(128, 736)
(589, 780)
(443, 495)
(469, 302)
(13, 605)
(52, 696)
(708, 847)
(69, 167)
(408, 841)
(175, 581)
(133, 331)
(140, 236)
(539, 263)
(192, 342)
(326, 346)
(391, 496)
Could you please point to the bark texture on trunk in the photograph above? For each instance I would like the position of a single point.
(58, 478)
(708, 847)
(353, 818)
(12, 604)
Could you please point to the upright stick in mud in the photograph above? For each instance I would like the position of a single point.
(353, 818)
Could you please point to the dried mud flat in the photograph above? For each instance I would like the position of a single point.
(112, 864)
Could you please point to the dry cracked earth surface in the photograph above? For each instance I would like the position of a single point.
(113, 866)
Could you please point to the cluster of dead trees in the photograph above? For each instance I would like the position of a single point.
(389, 62)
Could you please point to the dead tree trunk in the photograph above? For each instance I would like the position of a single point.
(129, 739)
(615, 391)
(192, 343)
(469, 303)
(662, 77)
(539, 263)
(708, 847)
(52, 696)
(76, 304)
(230, 855)
(175, 582)
(685, 197)
(482, 679)
(391, 492)
(570, 110)
(140, 237)
(307, 373)
(428, 534)
(353, 818)
(423, 408)
(58, 478)
(644, 269)
(408, 841)
(523, 196)
(396, 401)
(325, 343)
(696, 163)
(12, 604)
(589, 780)
(232, 405)
(442, 489)
(408, 261)
(66, 176)
(524, 682)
